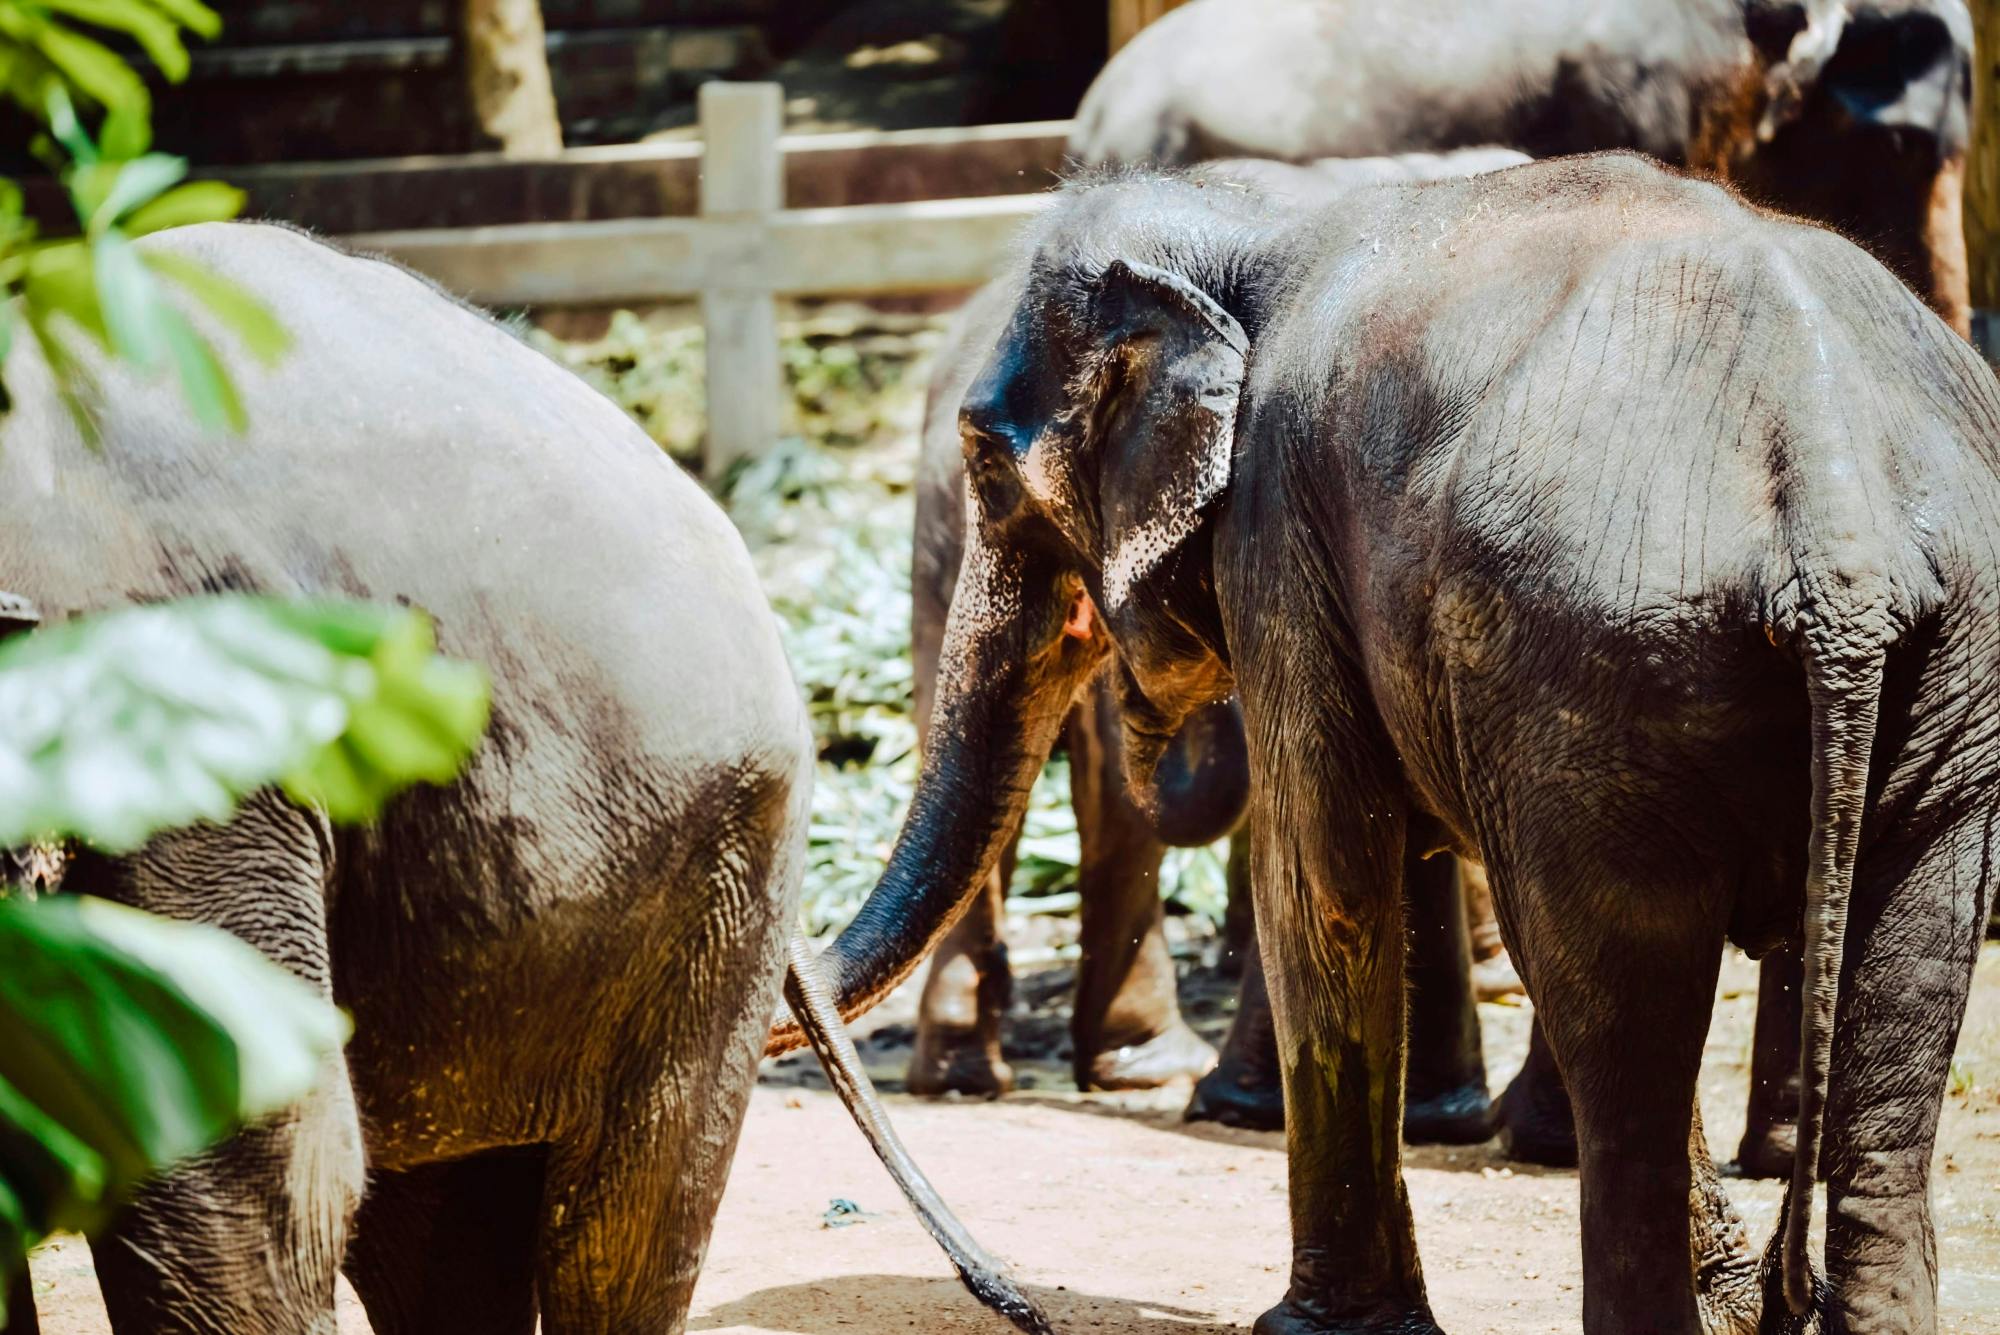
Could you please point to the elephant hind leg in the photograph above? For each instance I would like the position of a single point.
(451, 1246)
(1920, 901)
(632, 1188)
(1625, 1005)
(965, 999)
(1126, 1031)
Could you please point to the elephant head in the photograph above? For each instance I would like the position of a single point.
(1097, 439)
(1864, 122)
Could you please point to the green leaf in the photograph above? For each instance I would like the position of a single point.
(193, 15)
(132, 1042)
(59, 280)
(157, 34)
(138, 182)
(234, 305)
(93, 68)
(196, 202)
(73, 378)
(122, 724)
(60, 113)
(138, 318)
(418, 724)
(210, 392)
(127, 133)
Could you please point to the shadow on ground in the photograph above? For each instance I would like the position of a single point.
(893, 1302)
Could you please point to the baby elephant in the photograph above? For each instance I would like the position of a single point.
(560, 967)
(1576, 518)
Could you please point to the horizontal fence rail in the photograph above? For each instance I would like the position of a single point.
(866, 250)
(874, 226)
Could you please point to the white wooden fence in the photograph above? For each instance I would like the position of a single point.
(743, 251)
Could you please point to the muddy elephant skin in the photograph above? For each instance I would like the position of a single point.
(1854, 115)
(562, 966)
(1574, 517)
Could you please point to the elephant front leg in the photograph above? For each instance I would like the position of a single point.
(1126, 1031)
(965, 999)
(1330, 924)
(1447, 1098)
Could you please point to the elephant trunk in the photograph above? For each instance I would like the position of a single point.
(1001, 697)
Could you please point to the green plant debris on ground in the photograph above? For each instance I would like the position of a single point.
(828, 518)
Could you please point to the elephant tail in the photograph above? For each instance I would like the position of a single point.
(988, 1280)
(1843, 692)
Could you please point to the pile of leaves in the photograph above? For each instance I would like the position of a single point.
(828, 518)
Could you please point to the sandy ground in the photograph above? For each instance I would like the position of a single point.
(1124, 1220)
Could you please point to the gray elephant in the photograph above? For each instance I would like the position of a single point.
(1126, 1027)
(1853, 114)
(1576, 518)
(561, 966)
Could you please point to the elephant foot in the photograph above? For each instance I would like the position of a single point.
(958, 1061)
(1495, 978)
(1178, 1054)
(1536, 1123)
(1223, 1095)
(1768, 1151)
(1462, 1116)
(1291, 1317)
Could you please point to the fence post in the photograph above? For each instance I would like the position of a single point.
(742, 179)
(1126, 17)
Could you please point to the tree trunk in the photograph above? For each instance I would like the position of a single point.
(1982, 180)
(507, 72)
(1128, 16)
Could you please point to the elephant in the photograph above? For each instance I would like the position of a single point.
(560, 967)
(1126, 1028)
(1852, 113)
(1577, 518)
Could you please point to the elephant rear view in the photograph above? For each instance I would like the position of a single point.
(562, 965)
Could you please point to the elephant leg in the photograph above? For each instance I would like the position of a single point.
(1771, 1132)
(1330, 911)
(1245, 1088)
(1537, 1124)
(965, 999)
(1126, 1030)
(1447, 1102)
(1918, 910)
(1625, 982)
(1239, 918)
(451, 1246)
(247, 1238)
(1728, 1272)
(627, 1214)
(632, 1188)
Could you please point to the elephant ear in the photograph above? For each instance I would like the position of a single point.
(1171, 432)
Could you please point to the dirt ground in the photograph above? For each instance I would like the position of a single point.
(1125, 1221)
